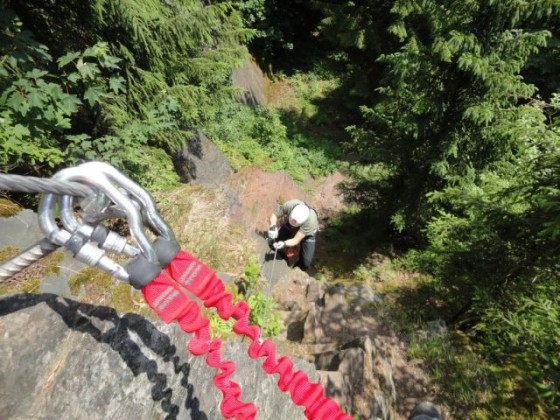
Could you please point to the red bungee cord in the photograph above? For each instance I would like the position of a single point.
(166, 298)
(202, 282)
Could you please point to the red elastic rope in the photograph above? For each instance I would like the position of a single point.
(171, 304)
(207, 286)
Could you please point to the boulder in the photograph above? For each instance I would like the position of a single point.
(202, 163)
(250, 77)
(64, 359)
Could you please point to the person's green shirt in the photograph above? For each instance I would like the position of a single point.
(310, 226)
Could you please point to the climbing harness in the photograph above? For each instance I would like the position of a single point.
(169, 278)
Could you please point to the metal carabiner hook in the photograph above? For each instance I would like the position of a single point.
(82, 249)
(138, 192)
(144, 267)
(133, 216)
(106, 238)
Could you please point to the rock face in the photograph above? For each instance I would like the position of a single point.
(257, 193)
(21, 230)
(250, 78)
(64, 359)
(342, 338)
(202, 163)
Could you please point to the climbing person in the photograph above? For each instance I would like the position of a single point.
(300, 228)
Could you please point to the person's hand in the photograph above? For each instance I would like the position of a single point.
(272, 232)
(279, 245)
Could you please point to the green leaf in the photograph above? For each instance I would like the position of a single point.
(62, 122)
(65, 59)
(53, 90)
(24, 84)
(91, 155)
(36, 98)
(74, 77)
(49, 113)
(15, 101)
(116, 84)
(69, 104)
(90, 52)
(24, 108)
(110, 62)
(89, 70)
(21, 131)
(35, 73)
(76, 138)
(93, 95)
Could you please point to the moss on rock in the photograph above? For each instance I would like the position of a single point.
(9, 208)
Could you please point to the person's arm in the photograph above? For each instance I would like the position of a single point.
(273, 219)
(296, 239)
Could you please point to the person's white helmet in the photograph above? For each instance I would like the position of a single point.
(299, 215)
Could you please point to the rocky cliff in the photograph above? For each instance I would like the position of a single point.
(63, 359)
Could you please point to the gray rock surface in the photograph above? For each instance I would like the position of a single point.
(273, 266)
(22, 231)
(250, 78)
(60, 359)
(202, 163)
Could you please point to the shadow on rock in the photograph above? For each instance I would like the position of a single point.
(153, 350)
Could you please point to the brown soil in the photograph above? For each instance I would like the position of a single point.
(258, 193)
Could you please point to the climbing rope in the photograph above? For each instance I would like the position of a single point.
(164, 273)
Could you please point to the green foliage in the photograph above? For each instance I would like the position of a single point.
(492, 249)
(252, 274)
(463, 159)
(183, 49)
(32, 108)
(219, 327)
(448, 99)
(285, 30)
(358, 34)
(257, 136)
(42, 110)
(262, 313)
(262, 309)
(140, 80)
(474, 386)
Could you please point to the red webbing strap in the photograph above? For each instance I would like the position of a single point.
(166, 298)
(207, 286)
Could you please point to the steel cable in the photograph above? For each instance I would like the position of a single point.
(44, 247)
(25, 258)
(30, 184)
